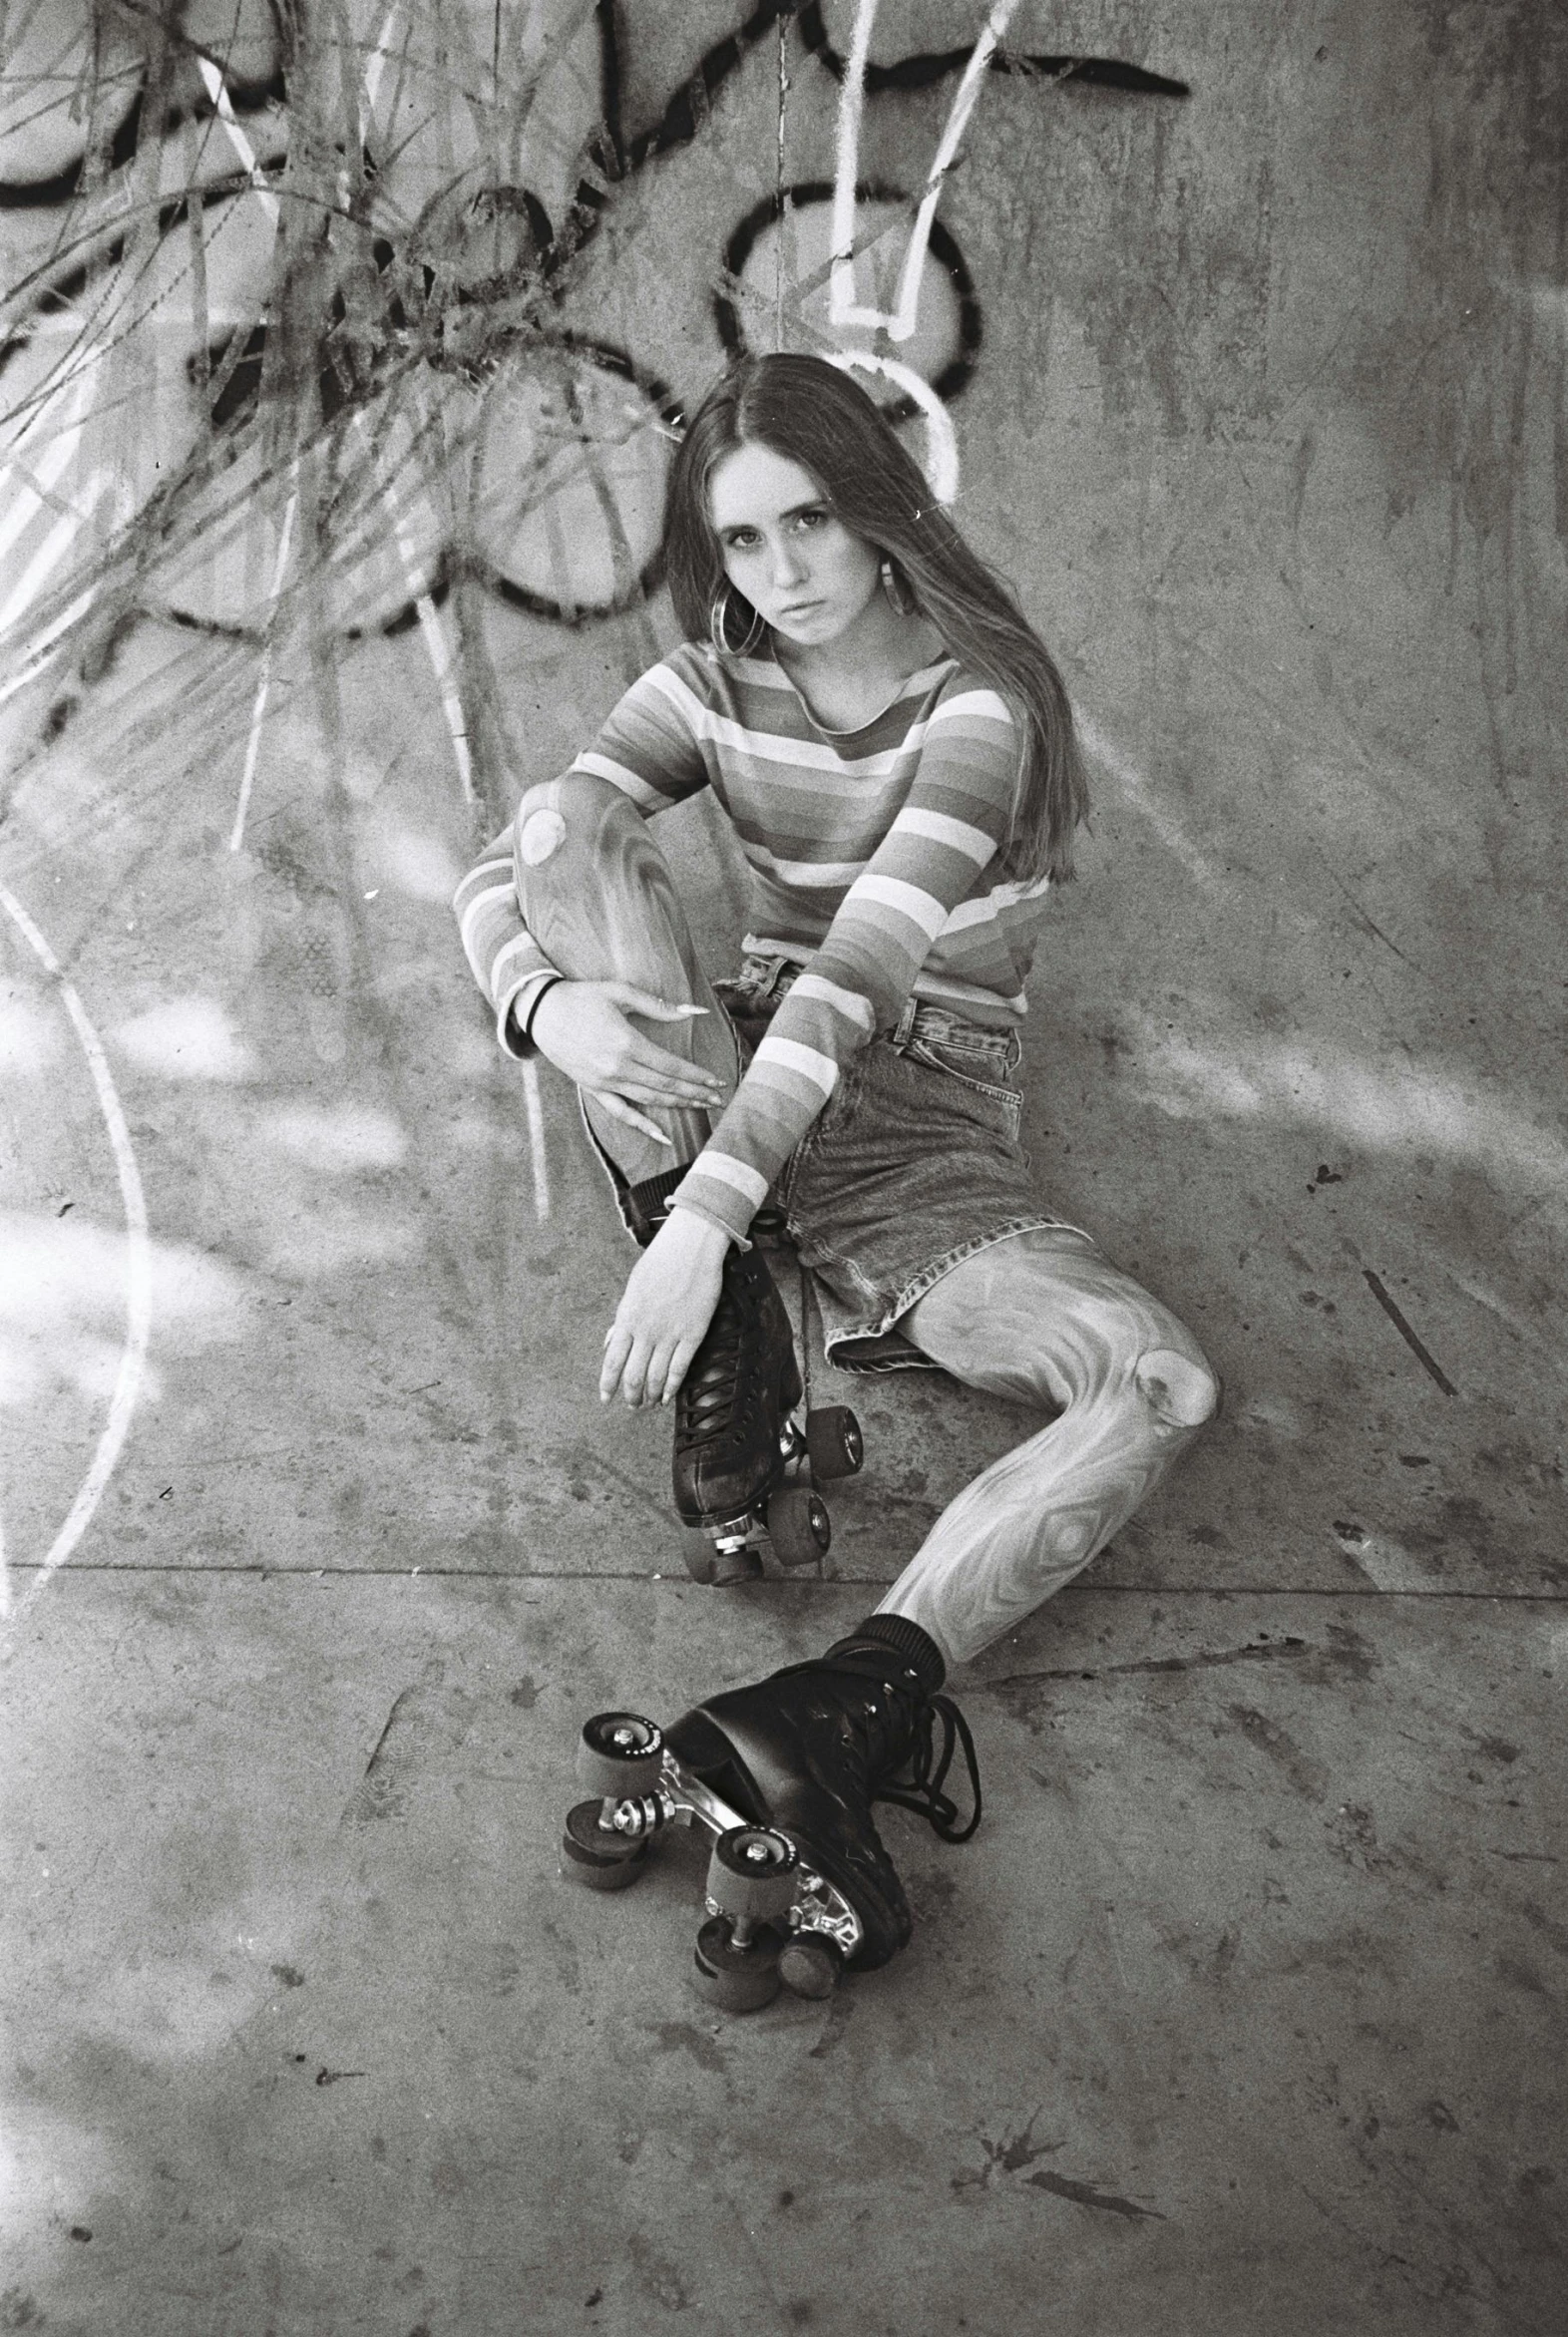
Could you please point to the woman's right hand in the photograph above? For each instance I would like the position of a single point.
(581, 1027)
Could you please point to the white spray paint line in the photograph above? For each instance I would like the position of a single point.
(73, 386)
(941, 445)
(942, 442)
(538, 1158)
(139, 1262)
(431, 631)
(265, 683)
(218, 91)
(842, 306)
(901, 323)
(35, 483)
(439, 650)
(375, 66)
(52, 550)
(41, 651)
(1136, 787)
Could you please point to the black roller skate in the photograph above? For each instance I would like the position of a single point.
(742, 1463)
(783, 1775)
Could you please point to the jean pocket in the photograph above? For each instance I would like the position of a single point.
(967, 1064)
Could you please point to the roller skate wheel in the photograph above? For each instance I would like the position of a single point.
(754, 1871)
(620, 1752)
(799, 1526)
(744, 1564)
(809, 1965)
(596, 1860)
(834, 1444)
(736, 1979)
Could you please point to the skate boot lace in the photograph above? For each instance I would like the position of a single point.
(710, 1393)
(920, 1787)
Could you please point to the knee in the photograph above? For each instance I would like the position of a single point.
(1149, 1352)
(1137, 1354)
(1178, 1387)
(575, 807)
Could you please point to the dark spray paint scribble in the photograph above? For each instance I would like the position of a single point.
(283, 333)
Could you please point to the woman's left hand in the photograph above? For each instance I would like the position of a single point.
(664, 1311)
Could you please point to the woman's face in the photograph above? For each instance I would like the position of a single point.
(799, 567)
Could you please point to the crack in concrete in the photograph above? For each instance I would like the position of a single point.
(1130, 1590)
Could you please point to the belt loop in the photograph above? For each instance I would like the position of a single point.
(906, 1023)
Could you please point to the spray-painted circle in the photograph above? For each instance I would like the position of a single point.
(383, 509)
(51, 58)
(788, 241)
(567, 500)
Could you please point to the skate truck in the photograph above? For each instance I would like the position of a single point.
(771, 1922)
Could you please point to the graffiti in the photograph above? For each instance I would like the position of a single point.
(285, 336)
(132, 1363)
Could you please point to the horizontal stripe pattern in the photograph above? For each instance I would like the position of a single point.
(873, 858)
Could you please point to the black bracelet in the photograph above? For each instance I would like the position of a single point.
(525, 1030)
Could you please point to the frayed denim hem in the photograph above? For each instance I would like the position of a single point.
(900, 1354)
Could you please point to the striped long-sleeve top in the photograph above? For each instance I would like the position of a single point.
(875, 860)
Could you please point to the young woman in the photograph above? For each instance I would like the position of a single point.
(894, 747)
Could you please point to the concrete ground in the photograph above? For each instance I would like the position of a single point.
(1243, 2009)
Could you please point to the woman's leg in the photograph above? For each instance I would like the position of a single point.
(597, 896)
(1044, 1319)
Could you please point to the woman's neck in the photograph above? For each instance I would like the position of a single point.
(846, 683)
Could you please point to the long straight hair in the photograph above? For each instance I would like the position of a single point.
(813, 414)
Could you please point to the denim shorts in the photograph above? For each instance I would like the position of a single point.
(913, 1165)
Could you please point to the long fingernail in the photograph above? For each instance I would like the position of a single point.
(686, 1009)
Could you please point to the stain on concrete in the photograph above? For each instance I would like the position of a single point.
(840, 2006)
(564, 1955)
(421, 1722)
(1358, 1951)
(1008, 2155)
(930, 1891)
(1354, 1839)
(1306, 1777)
(1555, 1933)
(1208, 1538)
(1521, 1975)
(1025, 1696)
(1063, 2186)
(1349, 1653)
(658, 2277)
(682, 2037)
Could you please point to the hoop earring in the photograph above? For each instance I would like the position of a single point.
(718, 628)
(900, 599)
